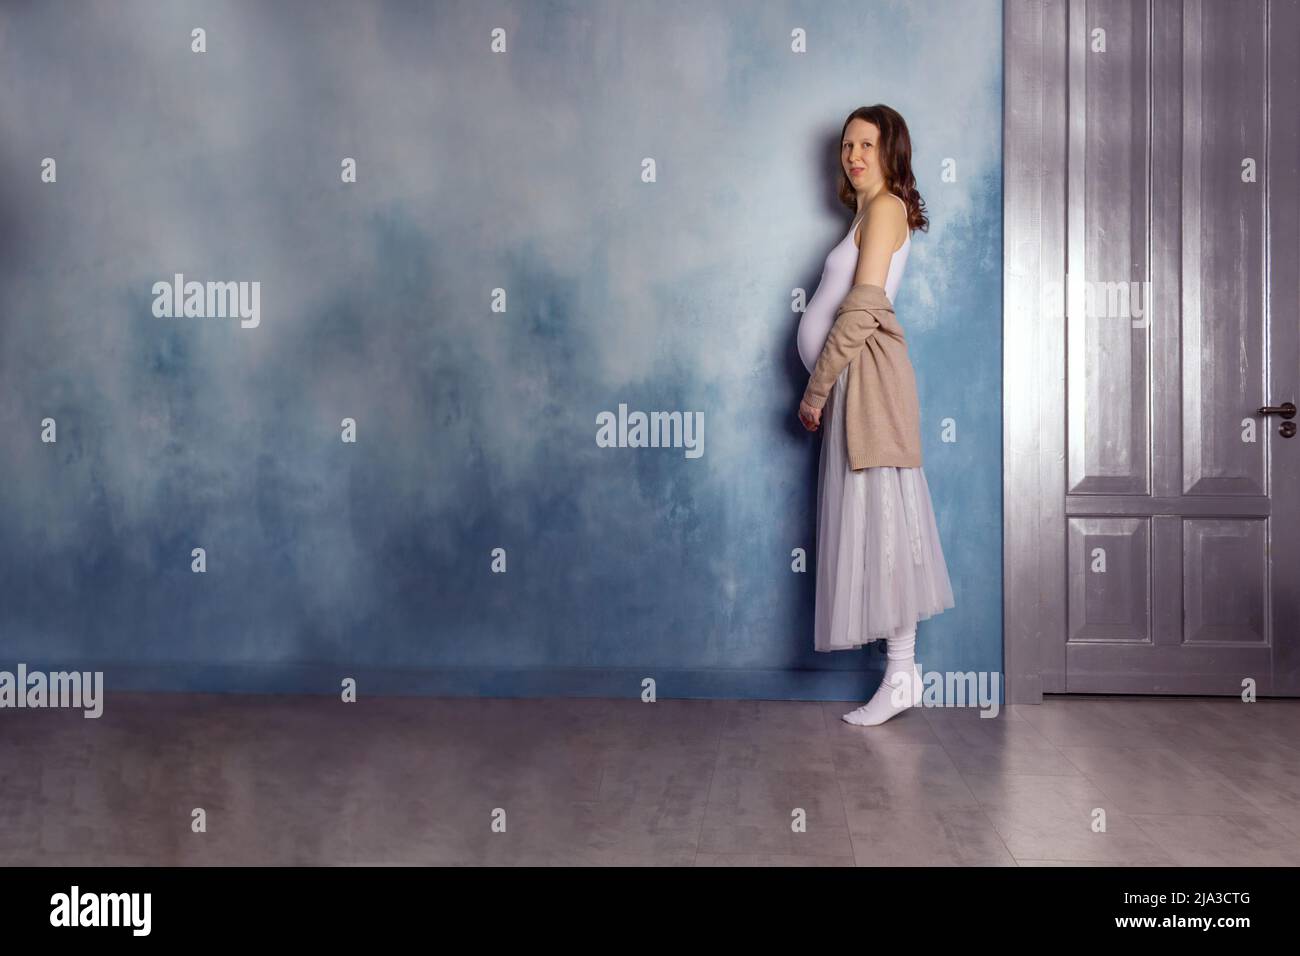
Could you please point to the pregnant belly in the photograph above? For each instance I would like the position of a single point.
(814, 326)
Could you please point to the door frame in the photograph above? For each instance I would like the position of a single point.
(1033, 351)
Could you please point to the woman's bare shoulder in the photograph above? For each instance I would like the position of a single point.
(885, 217)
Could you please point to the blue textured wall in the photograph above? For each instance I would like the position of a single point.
(476, 429)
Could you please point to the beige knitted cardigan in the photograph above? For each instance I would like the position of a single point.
(882, 418)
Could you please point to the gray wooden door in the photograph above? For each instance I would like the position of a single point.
(1176, 296)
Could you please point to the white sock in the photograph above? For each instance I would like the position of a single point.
(899, 689)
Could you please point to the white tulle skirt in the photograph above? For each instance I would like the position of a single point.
(880, 566)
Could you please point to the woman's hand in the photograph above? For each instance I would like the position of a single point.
(811, 417)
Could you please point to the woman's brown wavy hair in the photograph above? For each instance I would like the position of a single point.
(894, 151)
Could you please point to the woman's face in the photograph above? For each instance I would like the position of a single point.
(859, 155)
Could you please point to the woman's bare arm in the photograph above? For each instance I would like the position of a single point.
(885, 221)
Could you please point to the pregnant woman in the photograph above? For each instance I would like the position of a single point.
(880, 566)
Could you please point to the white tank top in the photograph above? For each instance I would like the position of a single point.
(835, 283)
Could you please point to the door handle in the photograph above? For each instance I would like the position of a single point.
(1286, 410)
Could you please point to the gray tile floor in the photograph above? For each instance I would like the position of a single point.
(309, 780)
